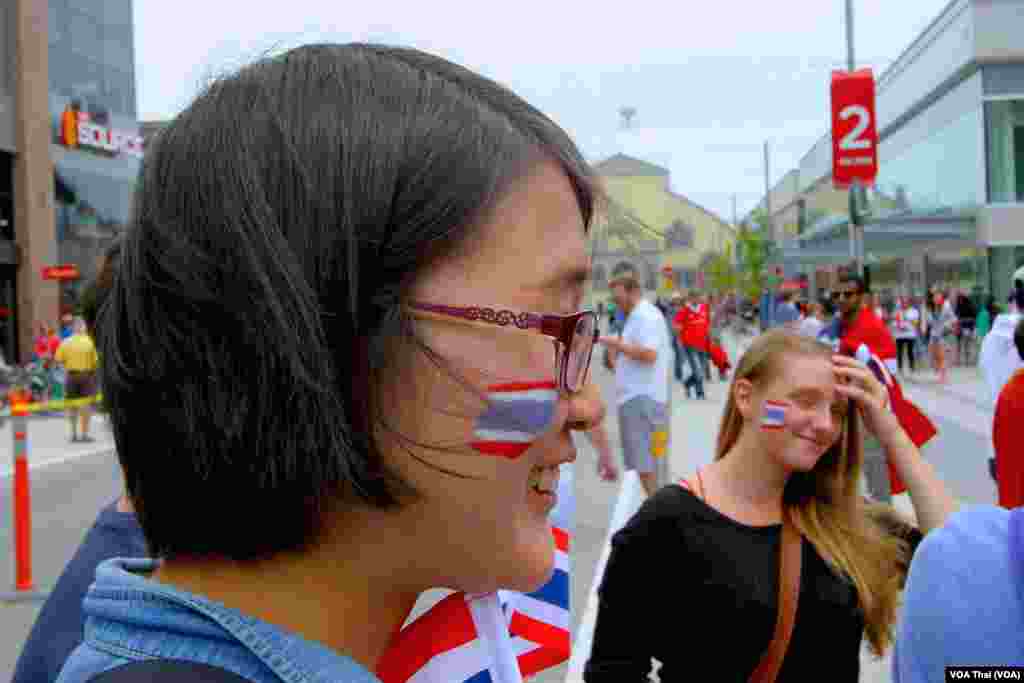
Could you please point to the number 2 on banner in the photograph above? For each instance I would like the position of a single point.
(852, 141)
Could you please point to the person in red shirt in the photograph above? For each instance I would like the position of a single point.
(861, 324)
(41, 346)
(1007, 432)
(53, 341)
(693, 325)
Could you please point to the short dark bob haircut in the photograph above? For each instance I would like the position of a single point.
(277, 225)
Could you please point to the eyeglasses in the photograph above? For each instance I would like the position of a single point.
(847, 294)
(574, 335)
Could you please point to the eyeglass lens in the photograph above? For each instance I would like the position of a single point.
(577, 359)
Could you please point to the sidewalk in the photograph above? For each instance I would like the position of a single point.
(49, 442)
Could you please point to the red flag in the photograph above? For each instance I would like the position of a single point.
(915, 423)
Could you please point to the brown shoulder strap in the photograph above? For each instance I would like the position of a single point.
(789, 591)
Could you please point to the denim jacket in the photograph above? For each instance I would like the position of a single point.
(130, 617)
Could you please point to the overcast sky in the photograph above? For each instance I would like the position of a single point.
(711, 81)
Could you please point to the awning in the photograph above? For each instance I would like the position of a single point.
(884, 238)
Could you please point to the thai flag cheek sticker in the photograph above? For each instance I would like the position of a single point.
(520, 412)
(774, 415)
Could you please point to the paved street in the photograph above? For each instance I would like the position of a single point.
(959, 453)
(70, 483)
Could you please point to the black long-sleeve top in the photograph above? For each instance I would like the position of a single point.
(697, 590)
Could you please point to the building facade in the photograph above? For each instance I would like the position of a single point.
(948, 205)
(648, 225)
(69, 153)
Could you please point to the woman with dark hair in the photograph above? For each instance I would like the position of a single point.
(342, 359)
(774, 531)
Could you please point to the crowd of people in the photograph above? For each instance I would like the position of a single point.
(344, 359)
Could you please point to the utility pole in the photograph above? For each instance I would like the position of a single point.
(768, 192)
(856, 231)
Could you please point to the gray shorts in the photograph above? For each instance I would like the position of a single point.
(639, 418)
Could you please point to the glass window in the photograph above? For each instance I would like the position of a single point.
(84, 35)
(1005, 121)
(57, 16)
(939, 172)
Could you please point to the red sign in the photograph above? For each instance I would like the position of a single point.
(854, 133)
(69, 272)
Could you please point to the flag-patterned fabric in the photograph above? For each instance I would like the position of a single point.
(519, 412)
(774, 415)
(505, 637)
(918, 427)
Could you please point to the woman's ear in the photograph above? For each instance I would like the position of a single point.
(743, 393)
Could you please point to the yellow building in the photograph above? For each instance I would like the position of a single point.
(650, 226)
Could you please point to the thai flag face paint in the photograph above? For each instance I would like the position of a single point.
(774, 415)
(520, 412)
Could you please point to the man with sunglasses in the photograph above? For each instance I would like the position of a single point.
(642, 358)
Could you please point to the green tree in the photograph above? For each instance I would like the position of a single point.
(722, 274)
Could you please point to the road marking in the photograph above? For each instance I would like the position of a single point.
(627, 503)
(7, 471)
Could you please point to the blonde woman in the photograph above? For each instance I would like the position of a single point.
(789, 448)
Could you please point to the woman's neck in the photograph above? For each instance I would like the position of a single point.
(350, 602)
(750, 475)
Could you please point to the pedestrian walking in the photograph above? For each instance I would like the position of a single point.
(966, 316)
(1008, 430)
(986, 315)
(692, 325)
(435, 391)
(905, 322)
(642, 360)
(677, 347)
(77, 354)
(772, 533)
(942, 322)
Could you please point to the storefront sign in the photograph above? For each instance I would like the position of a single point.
(108, 140)
(854, 132)
(64, 272)
(85, 133)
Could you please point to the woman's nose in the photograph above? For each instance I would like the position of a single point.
(586, 408)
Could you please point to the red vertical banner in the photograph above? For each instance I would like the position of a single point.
(854, 128)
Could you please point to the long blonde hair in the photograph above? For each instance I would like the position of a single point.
(825, 504)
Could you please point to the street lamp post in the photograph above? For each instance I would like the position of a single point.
(856, 236)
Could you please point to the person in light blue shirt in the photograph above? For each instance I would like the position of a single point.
(964, 598)
(343, 358)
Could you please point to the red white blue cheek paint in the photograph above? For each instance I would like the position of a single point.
(520, 412)
(773, 417)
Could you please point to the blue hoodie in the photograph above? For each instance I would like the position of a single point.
(964, 599)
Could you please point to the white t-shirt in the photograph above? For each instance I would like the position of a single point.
(645, 327)
(998, 358)
(811, 326)
(904, 323)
